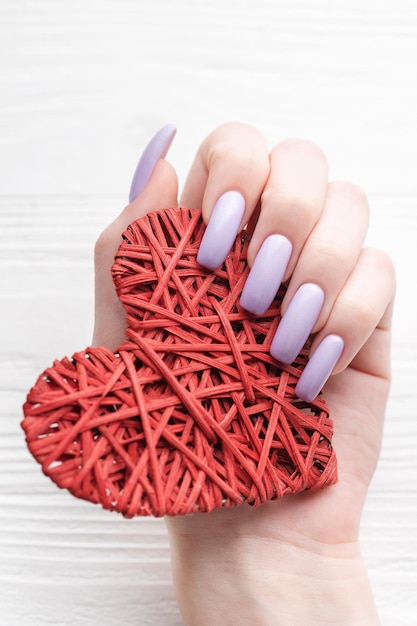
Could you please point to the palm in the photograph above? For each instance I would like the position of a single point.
(331, 516)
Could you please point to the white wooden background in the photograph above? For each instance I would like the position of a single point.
(83, 86)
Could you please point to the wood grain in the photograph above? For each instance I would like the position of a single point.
(83, 86)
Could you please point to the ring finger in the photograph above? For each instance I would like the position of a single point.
(327, 259)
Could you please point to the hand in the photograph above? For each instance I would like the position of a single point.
(296, 560)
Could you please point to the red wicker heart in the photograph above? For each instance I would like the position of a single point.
(192, 412)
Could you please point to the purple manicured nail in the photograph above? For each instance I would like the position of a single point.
(221, 230)
(319, 367)
(156, 149)
(297, 323)
(266, 274)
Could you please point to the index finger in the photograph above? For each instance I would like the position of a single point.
(226, 181)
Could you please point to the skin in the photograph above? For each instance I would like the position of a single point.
(297, 560)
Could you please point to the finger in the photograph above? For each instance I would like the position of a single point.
(156, 149)
(371, 357)
(108, 242)
(233, 157)
(226, 181)
(291, 205)
(328, 257)
(160, 192)
(358, 328)
(363, 305)
(333, 247)
(294, 195)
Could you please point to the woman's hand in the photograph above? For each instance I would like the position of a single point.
(296, 560)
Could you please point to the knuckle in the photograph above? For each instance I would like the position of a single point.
(243, 159)
(380, 257)
(329, 253)
(350, 191)
(297, 209)
(303, 147)
(361, 312)
(233, 128)
(103, 242)
(383, 263)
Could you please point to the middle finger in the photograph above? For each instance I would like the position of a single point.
(291, 205)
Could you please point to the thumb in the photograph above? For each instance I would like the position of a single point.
(160, 192)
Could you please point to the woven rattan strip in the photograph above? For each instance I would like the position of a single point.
(191, 413)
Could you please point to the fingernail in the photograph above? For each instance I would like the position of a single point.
(221, 230)
(319, 367)
(156, 149)
(266, 274)
(297, 323)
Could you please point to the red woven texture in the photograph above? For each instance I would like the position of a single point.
(191, 413)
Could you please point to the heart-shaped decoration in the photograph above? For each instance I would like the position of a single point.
(191, 413)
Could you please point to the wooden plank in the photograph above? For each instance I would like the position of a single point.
(83, 86)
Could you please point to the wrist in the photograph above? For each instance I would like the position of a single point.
(246, 580)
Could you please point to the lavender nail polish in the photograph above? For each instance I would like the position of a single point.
(297, 323)
(266, 274)
(319, 367)
(221, 230)
(156, 149)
